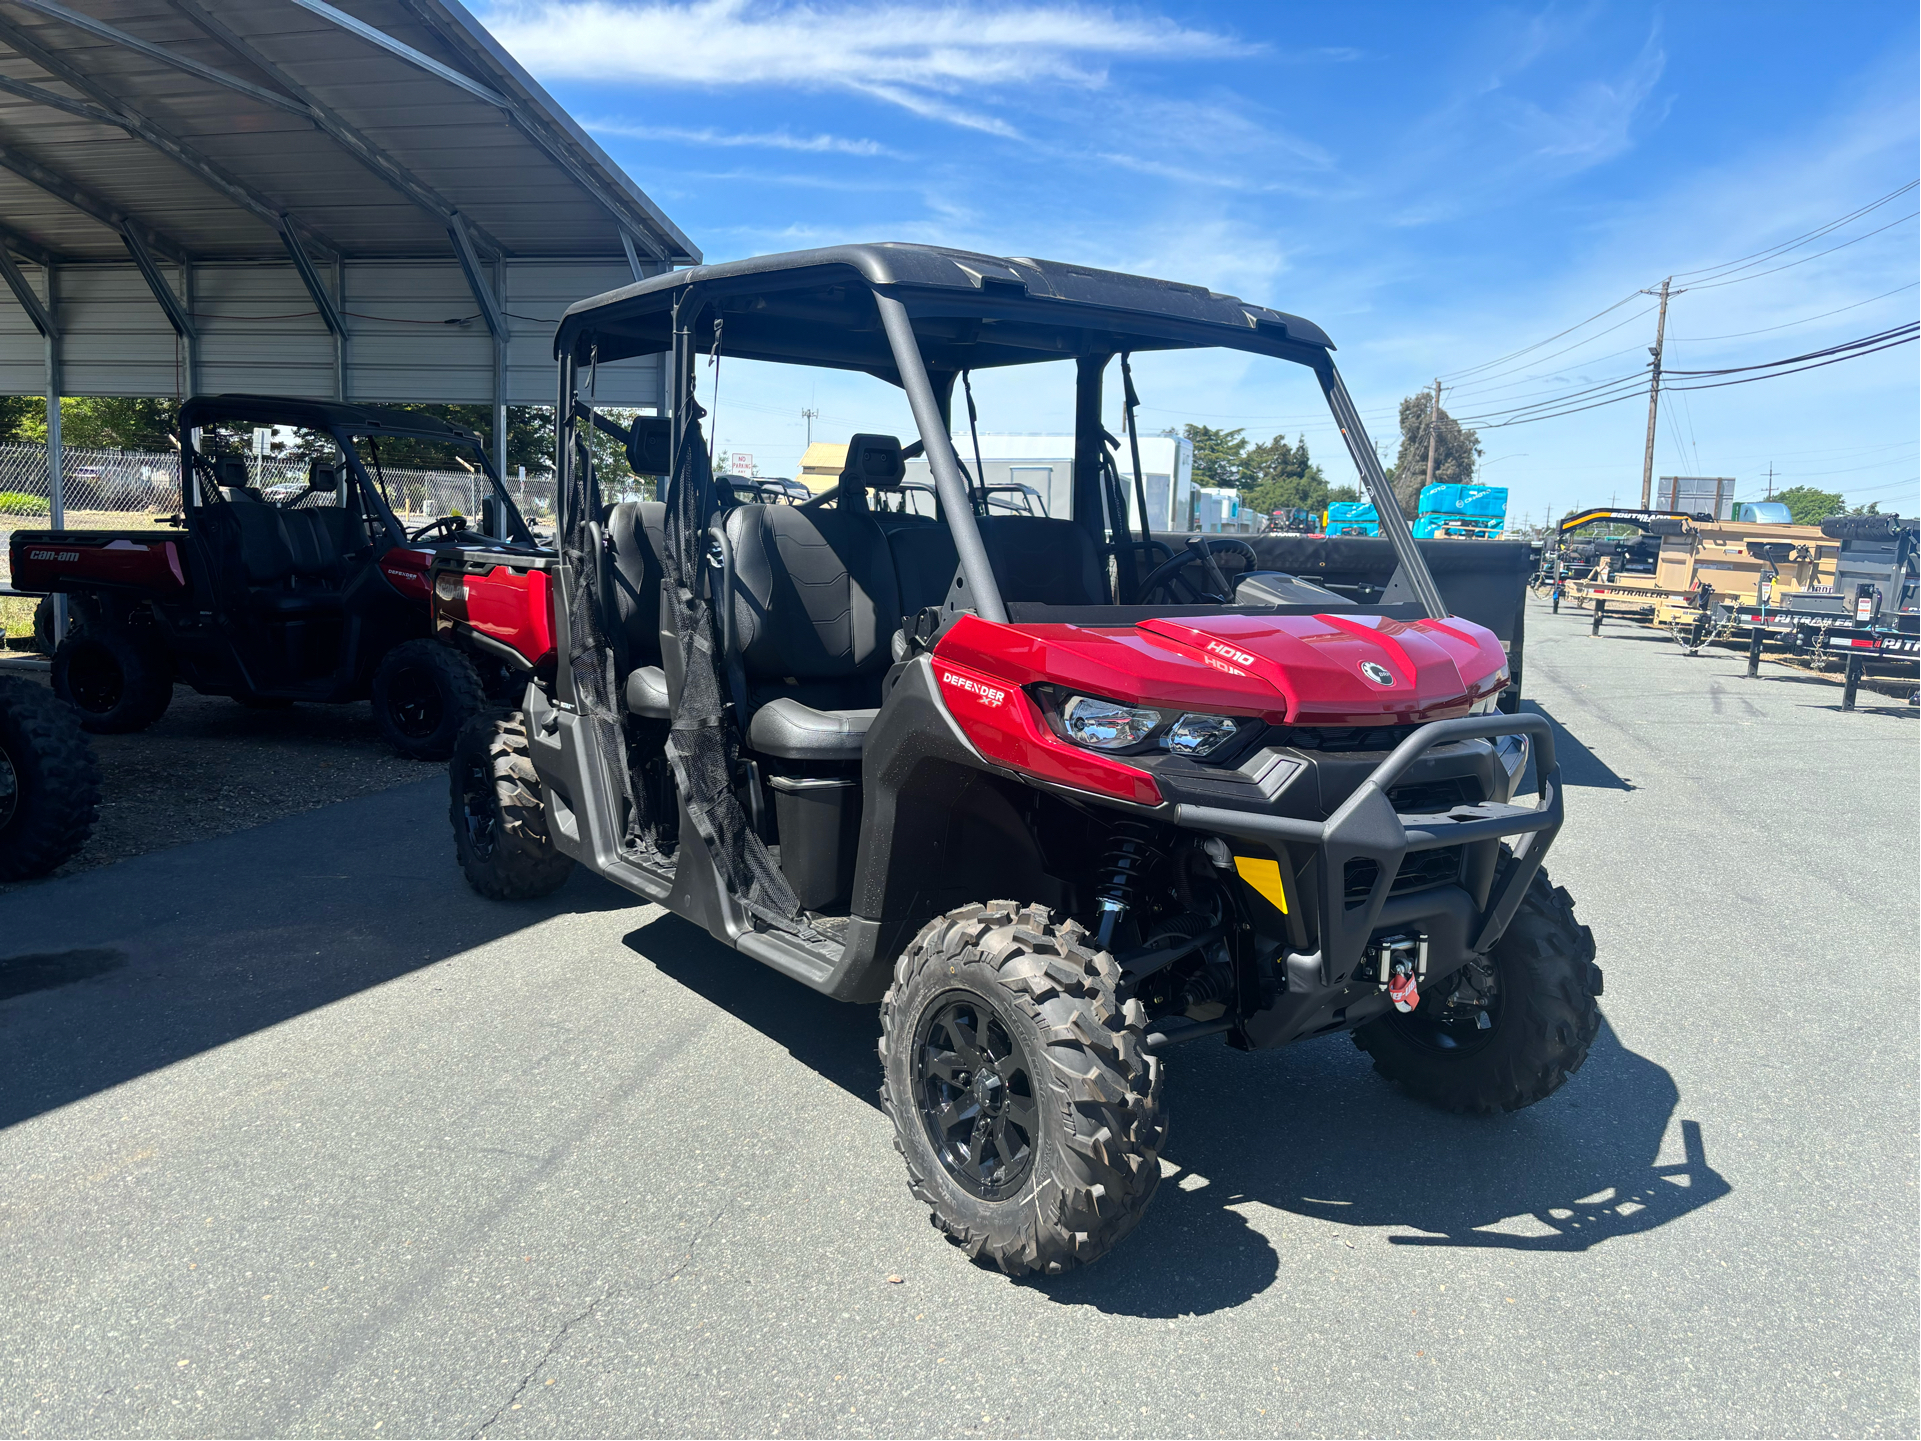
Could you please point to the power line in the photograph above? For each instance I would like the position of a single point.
(1711, 277)
(1782, 247)
(1743, 334)
(1739, 279)
(1527, 349)
(1908, 330)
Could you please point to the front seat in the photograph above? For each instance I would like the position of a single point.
(814, 605)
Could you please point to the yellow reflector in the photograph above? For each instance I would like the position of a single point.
(1265, 876)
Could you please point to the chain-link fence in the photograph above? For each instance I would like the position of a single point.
(106, 489)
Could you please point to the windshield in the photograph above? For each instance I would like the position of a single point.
(444, 485)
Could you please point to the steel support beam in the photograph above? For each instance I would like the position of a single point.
(177, 315)
(476, 279)
(24, 248)
(113, 35)
(310, 278)
(343, 134)
(113, 111)
(39, 313)
(89, 204)
(405, 52)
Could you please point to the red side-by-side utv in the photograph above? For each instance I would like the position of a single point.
(293, 592)
(1058, 795)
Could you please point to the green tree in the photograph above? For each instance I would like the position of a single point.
(1220, 456)
(16, 411)
(1281, 475)
(1455, 451)
(1809, 506)
(530, 436)
(1343, 492)
(102, 422)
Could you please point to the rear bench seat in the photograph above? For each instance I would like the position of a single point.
(292, 562)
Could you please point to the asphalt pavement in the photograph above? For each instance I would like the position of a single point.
(298, 1136)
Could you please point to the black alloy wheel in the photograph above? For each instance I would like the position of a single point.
(423, 693)
(413, 701)
(975, 1086)
(96, 680)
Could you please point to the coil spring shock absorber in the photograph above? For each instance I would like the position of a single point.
(1130, 849)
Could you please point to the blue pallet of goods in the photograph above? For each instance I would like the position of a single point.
(1352, 517)
(1482, 500)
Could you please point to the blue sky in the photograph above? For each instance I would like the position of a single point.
(1437, 186)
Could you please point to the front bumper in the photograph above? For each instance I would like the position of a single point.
(1367, 829)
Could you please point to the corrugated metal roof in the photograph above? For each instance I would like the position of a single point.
(198, 124)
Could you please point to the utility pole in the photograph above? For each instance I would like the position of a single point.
(1433, 425)
(1770, 480)
(1654, 395)
(810, 416)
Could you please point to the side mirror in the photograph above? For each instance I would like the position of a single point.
(489, 515)
(650, 445)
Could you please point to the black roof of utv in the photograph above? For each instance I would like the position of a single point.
(320, 415)
(970, 312)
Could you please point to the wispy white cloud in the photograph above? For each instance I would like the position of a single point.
(946, 64)
(766, 140)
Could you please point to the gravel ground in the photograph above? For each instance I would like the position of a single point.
(210, 766)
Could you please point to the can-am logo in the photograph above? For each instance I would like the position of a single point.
(1377, 673)
(1240, 656)
(53, 555)
(992, 695)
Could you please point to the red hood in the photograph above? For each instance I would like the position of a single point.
(1302, 669)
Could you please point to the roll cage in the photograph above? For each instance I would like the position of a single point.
(917, 317)
(341, 423)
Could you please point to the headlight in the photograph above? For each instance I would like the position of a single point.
(1196, 735)
(1103, 725)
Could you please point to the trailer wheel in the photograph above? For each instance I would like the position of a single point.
(49, 782)
(1023, 1101)
(423, 693)
(116, 680)
(500, 827)
(1537, 995)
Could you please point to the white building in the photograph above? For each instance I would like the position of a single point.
(1044, 464)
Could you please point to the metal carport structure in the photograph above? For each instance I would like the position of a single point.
(282, 196)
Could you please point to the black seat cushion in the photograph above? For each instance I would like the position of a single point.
(321, 540)
(792, 731)
(815, 598)
(634, 529)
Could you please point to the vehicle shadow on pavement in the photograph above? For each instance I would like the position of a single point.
(111, 974)
(1579, 765)
(1313, 1132)
(1308, 1130)
(835, 1040)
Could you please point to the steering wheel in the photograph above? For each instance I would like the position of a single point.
(448, 526)
(1168, 573)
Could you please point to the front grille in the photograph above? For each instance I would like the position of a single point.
(1420, 871)
(1433, 798)
(1344, 738)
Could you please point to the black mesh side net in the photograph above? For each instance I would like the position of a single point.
(703, 745)
(591, 656)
